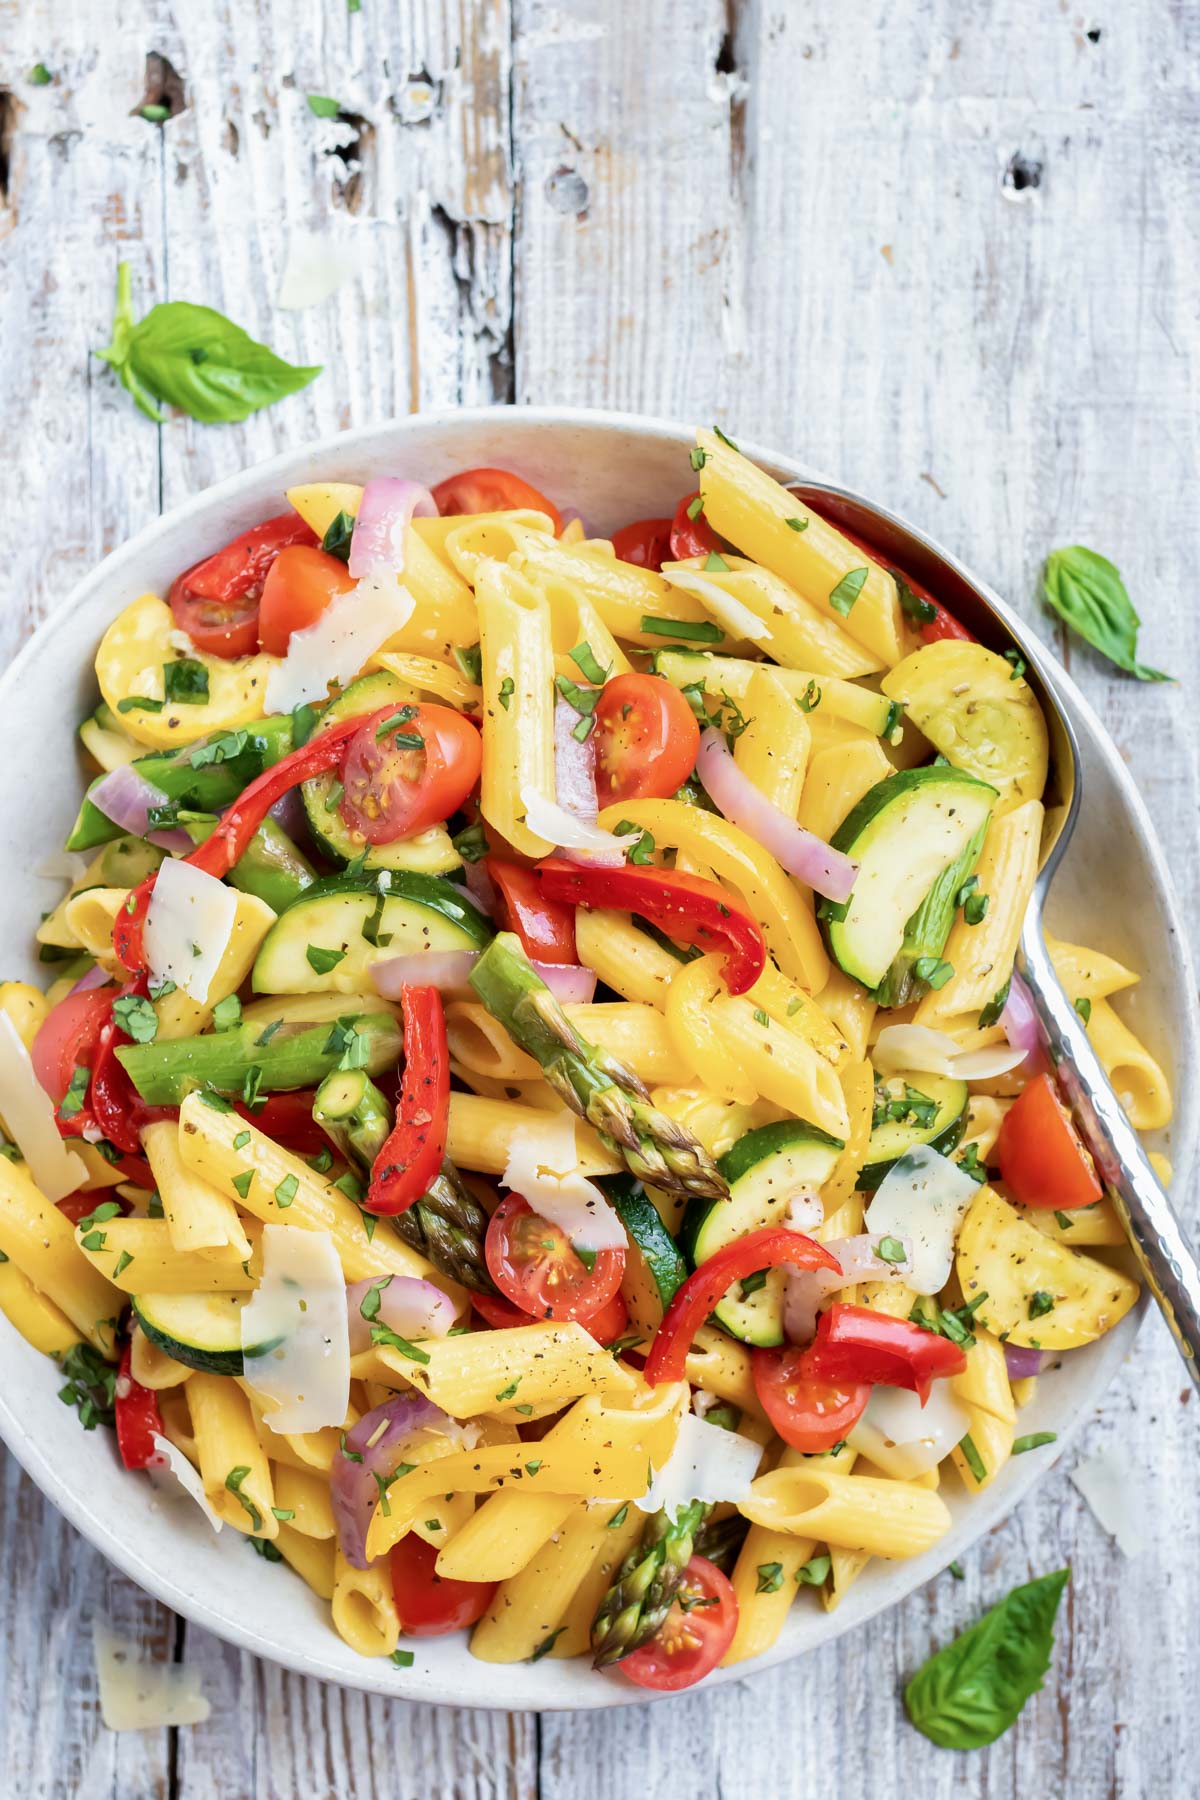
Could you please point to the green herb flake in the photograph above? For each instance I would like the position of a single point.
(728, 442)
(796, 524)
(383, 1334)
(321, 961)
(285, 1193)
(508, 688)
(338, 535)
(815, 1572)
(1064, 1220)
(285, 1514)
(589, 665)
(1083, 1007)
(891, 1250)
(770, 1578)
(810, 699)
(373, 1298)
(531, 1468)
(471, 844)
(241, 1183)
(750, 1284)
(185, 683)
(847, 591)
(508, 1392)
(322, 1162)
(1040, 1304)
(241, 1140)
(698, 457)
(547, 1644)
(304, 723)
(323, 106)
(975, 909)
(73, 1100)
(403, 1659)
(698, 631)
(970, 1692)
(233, 1481)
(139, 703)
(715, 564)
(641, 853)
(227, 1013)
(956, 1569)
(40, 76)
(972, 1458)
(619, 1517)
(761, 1018)
(469, 660)
(1019, 665)
(223, 748)
(933, 970)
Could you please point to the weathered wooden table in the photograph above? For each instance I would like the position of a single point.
(945, 248)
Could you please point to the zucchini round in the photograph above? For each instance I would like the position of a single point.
(654, 1268)
(893, 1138)
(202, 1331)
(338, 928)
(764, 1169)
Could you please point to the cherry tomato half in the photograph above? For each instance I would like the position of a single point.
(610, 1322)
(534, 1265)
(693, 1637)
(646, 543)
(429, 1604)
(492, 490)
(401, 777)
(216, 601)
(691, 537)
(68, 1036)
(545, 927)
(1040, 1155)
(646, 738)
(809, 1415)
(299, 586)
(500, 1315)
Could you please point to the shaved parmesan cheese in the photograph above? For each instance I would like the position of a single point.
(543, 1167)
(904, 1438)
(28, 1114)
(916, 1049)
(1117, 1497)
(299, 1311)
(317, 266)
(143, 1696)
(173, 1461)
(188, 926)
(547, 819)
(707, 1463)
(922, 1198)
(336, 646)
(735, 619)
(805, 1210)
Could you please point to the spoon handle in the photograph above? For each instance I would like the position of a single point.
(1167, 1259)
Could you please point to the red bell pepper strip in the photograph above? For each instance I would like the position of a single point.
(683, 906)
(138, 1421)
(1041, 1156)
(546, 929)
(766, 1249)
(414, 1151)
(218, 853)
(854, 1343)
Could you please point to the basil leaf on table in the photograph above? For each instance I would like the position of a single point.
(967, 1694)
(195, 359)
(1087, 593)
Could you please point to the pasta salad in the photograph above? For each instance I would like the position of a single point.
(533, 1123)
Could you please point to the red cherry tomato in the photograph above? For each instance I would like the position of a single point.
(137, 1418)
(500, 1314)
(647, 739)
(534, 1265)
(691, 537)
(693, 1637)
(646, 543)
(1041, 1156)
(216, 601)
(809, 1415)
(545, 927)
(609, 1322)
(492, 490)
(401, 777)
(428, 1604)
(84, 1203)
(68, 1036)
(945, 625)
(301, 583)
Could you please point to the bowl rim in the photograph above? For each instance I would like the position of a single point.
(987, 1511)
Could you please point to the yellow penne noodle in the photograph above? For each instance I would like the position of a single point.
(852, 1011)
(750, 602)
(626, 958)
(773, 750)
(845, 1567)
(622, 594)
(982, 955)
(1088, 974)
(838, 1194)
(25, 1007)
(745, 505)
(36, 1317)
(428, 675)
(151, 1366)
(198, 1216)
(503, 1535)
(41, 1242)
(983, 1385)
(636, 1034)
(1139, 1082)
(518, 705)
(784, 915)
(482, 1133)
(531, 1364)
(856, 1512)
(575, 621)
(314, 1559)
(991, 1442)
(364, 1609)
(305, 1495)
(622, 1528)
(528, 1608)
(719, 1365)
(137, 1255)
(835, 782)
(233, 1463)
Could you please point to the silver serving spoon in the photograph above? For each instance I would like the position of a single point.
(1167, 1259)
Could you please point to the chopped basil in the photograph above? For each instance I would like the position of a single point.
(154, 1206)
(815, 1572)
(1065, 1221)
(304, 722)
(136, 1018)
(139, 703)
(266, 1549)
(891, 1250)
(1033, 1442)
(1018, 662)
(698, 457)
(728, 442)
(914, 606)
(642, 852)
(797, 524)
(73, 1100)
(847, 591)
(933, 970)
(589, 665)
(470, 663)
(394, 722)
(265, 1036)
(810, 699)
(333, 796)
(750, 1284)
(1083, 1007)
(508, 688)
(508, 1392)
(322, 1162)
(338, 535)
(770, 1578)
(968, 1161)
(285, 1514)
(695, 507)
(471, 844)
(547, 1644)
(323, 106)
(242, 1183)
(241, 1140)
(40, 76)
(222, 748)
(715, 564)
(251, 1083)
(322, 961)
(976, 908)
(995, 1006)
(383, 1334)
(699, 631)
(227, 1013)
(583, 700)
(1040, 1304)
(619, 1517)
(531, 1468)
(373, 1298)
(285, 1193)
(972, 1458)
(122, 1263)
(185, 682)
(403, 1659)
(233, 1481)
(91, 1385)
(956, 1569)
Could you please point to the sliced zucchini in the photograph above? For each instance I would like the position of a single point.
(935, 1114)
(904, 833)
(765, 1170)
(926, 932)
(429, 852)
(338, 928)
(654, 1268)
(202, 1331)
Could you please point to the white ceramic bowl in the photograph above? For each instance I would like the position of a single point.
(614, 468)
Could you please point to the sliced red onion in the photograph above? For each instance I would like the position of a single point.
(568, 982)
(378, 1442)
(575, 790)
(1019, 1019)
(446, 970)
(1022, 1363)
(95, 978)
(289, 814)
(800, 852)
(481, 887)
(388, 504)
(408, 1305)
(804, 1289)
(125, 797)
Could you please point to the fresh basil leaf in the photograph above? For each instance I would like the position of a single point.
(136, 1018)
(323, 106)
(196, 359)
(1087, 593)
(338, 534)
(847, 591)
(185, 683)
(970, 1692)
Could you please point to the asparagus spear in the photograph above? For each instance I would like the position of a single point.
(447, 1224)
(291, 1056)
(591, 1082)
(721, 1539)
(648, 1579)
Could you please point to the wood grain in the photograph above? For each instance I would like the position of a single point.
(946, 251)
